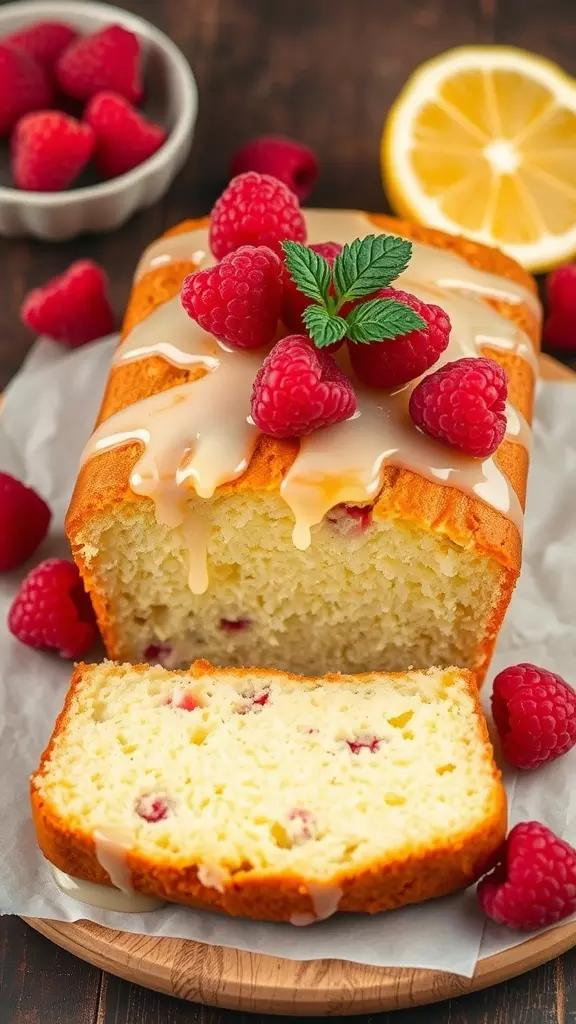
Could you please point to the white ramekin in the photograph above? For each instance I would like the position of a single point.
(105, 206)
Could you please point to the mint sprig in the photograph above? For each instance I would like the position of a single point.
(362, 268)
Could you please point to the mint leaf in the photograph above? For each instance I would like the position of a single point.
(382, 319)
(368, 264)
(323, 327)
(309, 271)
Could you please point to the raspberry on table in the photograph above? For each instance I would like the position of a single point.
(72, 308)
(389, 364)
(535, 714)
(49, 150)
(463, 405)
(124, 138)
(559, 329)
(534, 885)
(283, 158)
(295, 302)
(255, 209)
(300, 388)
(52, 611)
(24, 521)
(24, 86)
(153, 807)
(108, 59)
(44, 41)
(238, 300)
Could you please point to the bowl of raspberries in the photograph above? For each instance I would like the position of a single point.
(97, 113)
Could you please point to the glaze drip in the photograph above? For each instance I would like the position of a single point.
(199, 435)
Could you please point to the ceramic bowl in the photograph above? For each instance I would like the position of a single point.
(173, 102)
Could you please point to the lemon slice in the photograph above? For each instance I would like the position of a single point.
(482, 141)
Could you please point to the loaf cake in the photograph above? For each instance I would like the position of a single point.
(264, 794)
(365, 546)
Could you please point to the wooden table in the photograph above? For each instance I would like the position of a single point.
(324, 71)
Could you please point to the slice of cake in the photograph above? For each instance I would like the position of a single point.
(269, 795)
(365, 545)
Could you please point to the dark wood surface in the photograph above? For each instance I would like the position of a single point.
(324, 71)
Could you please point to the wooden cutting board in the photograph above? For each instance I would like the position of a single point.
(264, 984)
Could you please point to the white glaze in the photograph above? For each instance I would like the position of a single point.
(112, 846)
(198, 435)
(211, 876)
(104, 896)
(325, 903)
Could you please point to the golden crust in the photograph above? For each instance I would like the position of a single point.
(103, 483)
(413, 876)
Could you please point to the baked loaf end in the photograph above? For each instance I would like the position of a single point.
(428, 582)
(264, 794)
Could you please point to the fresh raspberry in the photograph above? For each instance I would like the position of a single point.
(364, 742)
(24, 86)
(535, 714)
(280, 157)
(535, 884)
(255, 209)
(301, 825)
(124, 137)
(109, 59)
(300, 388)
(52, 611)
(235, 625)
(295, 302)
(238, 300)
(153, 807)
(560, 323)
(389, 364)
(72, 308)
(49, 150)
(350, 520)
(463, 405)
(44, 41)
(24, 521)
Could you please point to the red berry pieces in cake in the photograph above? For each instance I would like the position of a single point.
(280, 157)
(535, 714)
(153, 807)
(52, 611)
(238, 300)
(24, 521)
(158, 654)
(560, 323)
(365, 742)
(255, 209)
(109, 59)
(350, 520)
(391, 363)
(187, 702)
(463, 405)
(49, 151)
(44, 41)
(124, 137)
(301, 825)
(24, 86)
(295, 302)
(253, 701)
(72, 308)
(535, 884)
(299, 389)
(235, 625)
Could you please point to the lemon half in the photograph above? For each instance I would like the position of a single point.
(482, 141)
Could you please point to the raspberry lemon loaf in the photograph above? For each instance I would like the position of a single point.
(264, 794)
(365, 544)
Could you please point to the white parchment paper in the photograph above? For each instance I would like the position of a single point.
(49, 411)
